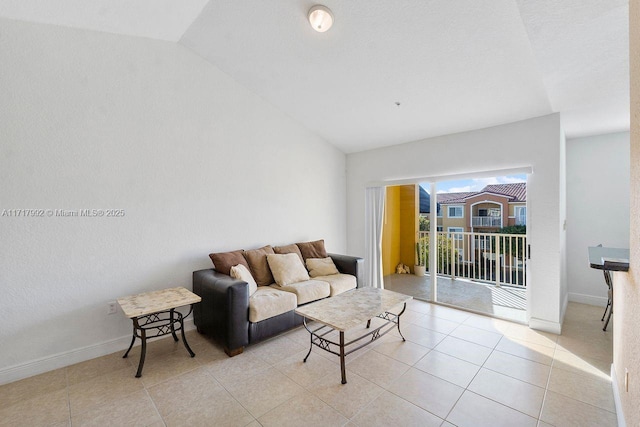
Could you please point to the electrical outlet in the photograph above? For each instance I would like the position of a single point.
(626, 380)
(112, 307)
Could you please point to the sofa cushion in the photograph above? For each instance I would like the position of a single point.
(289, 249)
(268, 302)
(287, 269)
(223, 261)
(257, 260)
(308, 290)
(312, 249)
(321, 267)
(339, 283)
(241, 272)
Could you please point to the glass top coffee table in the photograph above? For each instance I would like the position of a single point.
(349, 310)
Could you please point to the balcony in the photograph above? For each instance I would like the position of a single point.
(486, 221)
(493, 258)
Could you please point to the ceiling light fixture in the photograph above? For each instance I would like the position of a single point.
(320, 18)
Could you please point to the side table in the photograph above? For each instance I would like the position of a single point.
(154, 315)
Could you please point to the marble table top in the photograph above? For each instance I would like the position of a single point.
(155, 301)
(613, 259)
(352, 308)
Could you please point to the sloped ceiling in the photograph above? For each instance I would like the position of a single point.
(451, 65)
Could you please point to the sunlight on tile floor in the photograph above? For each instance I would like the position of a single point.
(456, 369)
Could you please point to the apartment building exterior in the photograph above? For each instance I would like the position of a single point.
(494, 207)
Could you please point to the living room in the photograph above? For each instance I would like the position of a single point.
(136, 117)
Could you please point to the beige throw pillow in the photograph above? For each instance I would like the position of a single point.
(287, 269)
(321, 267)
(241, 272)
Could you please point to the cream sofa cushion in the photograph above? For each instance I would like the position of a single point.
(287, 268)
(308, 290)
(241, 272)
(339, 283)
(268, 302)
(321, 267)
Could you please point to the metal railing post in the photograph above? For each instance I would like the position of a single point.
(497, 256)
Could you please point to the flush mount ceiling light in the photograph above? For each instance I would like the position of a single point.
(320, 18)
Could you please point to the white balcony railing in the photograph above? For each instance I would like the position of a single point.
(486, 221)
(486, 257)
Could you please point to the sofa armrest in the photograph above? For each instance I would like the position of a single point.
(224, 309)
(350, 265)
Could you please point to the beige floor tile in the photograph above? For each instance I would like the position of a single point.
(31, 387)
(422, 336)
(390, 410)
(436, 324)
(487, 323)
(229, 370)
(218, 409)
(300, 335)
(191, 386)
(40, 410)
(581, 365)
(527, 350)
(135, 409)
(524, 333)
(276, 349)
(599, 349)
(465, 350)
(402, 351)
(448, 368)
(303, 410)
(96, 367)
(349, 398)
(559, 410)
(523, 369)
(160, 367)
(516, 394)
(309, 372)
(102, 390)
(264, 391)
(378, 368)
(427, 391)
(473, 410)
(409, 317)
(419, 306)
(254, 423)
(447, 424)
(543, 424)
(477, 336)
(588, 389)
(448, 313)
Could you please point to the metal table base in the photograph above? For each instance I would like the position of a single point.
(318, 338)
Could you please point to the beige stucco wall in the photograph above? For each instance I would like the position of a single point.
(626, 316)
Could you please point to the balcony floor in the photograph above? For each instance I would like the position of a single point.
(504, 302)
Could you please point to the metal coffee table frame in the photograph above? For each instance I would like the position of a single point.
(340, 348)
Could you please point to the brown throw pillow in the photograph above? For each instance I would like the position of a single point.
(289, 249)
(312, 249)
(257, 259)
(223, 261)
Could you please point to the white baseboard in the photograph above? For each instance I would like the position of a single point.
(60, 360)
(616, 398)
(588, 299)
(545, 325)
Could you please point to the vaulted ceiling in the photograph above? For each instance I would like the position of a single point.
(451, 65)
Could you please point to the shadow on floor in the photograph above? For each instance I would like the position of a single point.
(505, 302)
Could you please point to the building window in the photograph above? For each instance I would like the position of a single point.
(456, 212)
(455, 232)
(521, 215)
(439, 228)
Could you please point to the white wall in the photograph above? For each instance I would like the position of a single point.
(535, 142)
(597, 208)
(198, 163)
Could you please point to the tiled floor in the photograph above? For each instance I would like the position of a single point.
(466, 369)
